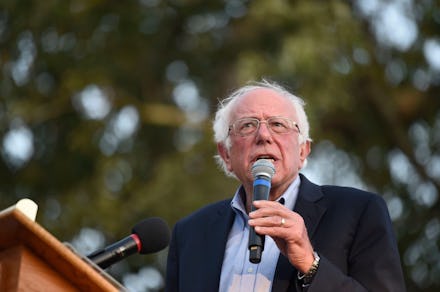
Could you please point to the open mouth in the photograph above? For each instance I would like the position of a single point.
(268, 157)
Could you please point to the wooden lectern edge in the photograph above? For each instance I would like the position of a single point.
(72, 267)
(94, 266)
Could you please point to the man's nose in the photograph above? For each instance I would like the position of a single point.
(264, 131)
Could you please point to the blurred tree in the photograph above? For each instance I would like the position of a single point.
(105, 107)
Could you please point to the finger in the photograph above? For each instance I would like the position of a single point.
(266, 203)
(270, 221)
(270, 231)
(276, 227)
(269, 211)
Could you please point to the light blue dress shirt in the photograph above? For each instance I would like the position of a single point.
(238, 273)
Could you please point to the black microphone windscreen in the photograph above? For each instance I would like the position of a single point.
(153, 233)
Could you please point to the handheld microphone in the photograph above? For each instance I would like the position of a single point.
(262, 171)
(148, 236)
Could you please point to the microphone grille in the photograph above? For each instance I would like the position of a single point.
(263, 167)
(153, 233)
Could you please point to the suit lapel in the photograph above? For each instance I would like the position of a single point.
(309, 207)
(215, 238)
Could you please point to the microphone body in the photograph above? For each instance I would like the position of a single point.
(148, 236)
(117, 251)
(262, 171)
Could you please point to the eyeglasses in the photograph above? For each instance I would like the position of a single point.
(248, 126)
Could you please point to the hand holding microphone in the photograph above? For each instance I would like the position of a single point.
(262, 171)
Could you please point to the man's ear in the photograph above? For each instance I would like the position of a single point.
(304, 151)
(224, 154)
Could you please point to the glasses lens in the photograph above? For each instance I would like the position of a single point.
(280, 125)
(246, 126)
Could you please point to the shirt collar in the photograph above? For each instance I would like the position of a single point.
(237, 202)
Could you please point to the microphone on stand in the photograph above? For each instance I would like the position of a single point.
(262, 171)
(148, 236)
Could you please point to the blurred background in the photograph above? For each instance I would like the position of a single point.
(106, 109)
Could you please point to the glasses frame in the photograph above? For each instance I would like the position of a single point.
(232, 127)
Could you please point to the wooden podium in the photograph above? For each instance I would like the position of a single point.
(31, 259)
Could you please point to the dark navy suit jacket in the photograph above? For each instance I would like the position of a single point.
(349, 228)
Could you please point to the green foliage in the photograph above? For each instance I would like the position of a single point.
(376, 102)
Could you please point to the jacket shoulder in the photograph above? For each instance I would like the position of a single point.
(343, 196)
(205, 213)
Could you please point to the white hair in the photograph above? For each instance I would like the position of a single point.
(222, 118)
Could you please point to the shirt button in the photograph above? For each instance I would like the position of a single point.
(250, 270)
